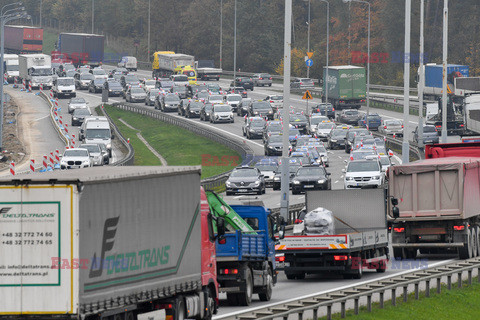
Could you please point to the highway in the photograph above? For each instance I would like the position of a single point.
(283, 290)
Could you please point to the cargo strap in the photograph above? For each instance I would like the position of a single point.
(346, 224)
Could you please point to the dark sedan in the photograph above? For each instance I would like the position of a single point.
(245, 180)
(244, 82)
(193, 109)
(311, 178)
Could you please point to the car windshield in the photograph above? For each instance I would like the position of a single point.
(92, 148)
(216, 98)
(326, 125)
(208, 107)
(87, 76)
(297, 118)
(316, 120)
(244, 173)
(166, 84)
(41, 72)
(70, 73)
(265, 167)
(293, 132)
(77, 101)
(81, 112)
(131, 78)
(351, 113)
(65, 82)
(214, 87)
(97, 133)
(221, 108)
(275, 139)
(138, 90)
(180, 78)
(234, 98)
(257, 124)
(261, 105)
(306, 172)
(179, 89)
(196, 105)
(276, 97)
(150, 82)
(339, 133)
(172, 98)
(99, 82)
(275, 127)
(75, 153)
(154, 92)
(374, 117)
(363, 166)
(361, 154)
(99, 72)
(114, 85)
(357, 132)
(12, 67)
(429, 129)
(68, 67)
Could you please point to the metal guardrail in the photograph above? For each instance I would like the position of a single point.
(215, 183)
(129, 159)
(326, 301)
(59, 130)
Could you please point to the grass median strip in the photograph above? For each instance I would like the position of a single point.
(452, 304)
(178, 146)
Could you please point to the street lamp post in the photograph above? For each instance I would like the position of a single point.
(444, 83)
(93, 14)
(148, 50)
(4, 18)
(308, 40)
(235, 44)
(421, 84)
(221, 31)
(406, 83)
(328, 44)
(368, 59)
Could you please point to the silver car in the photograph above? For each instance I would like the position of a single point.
(95, 152)
(391, 127)
(77, 103)
(262, 79)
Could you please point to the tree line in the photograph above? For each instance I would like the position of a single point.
(193, 27)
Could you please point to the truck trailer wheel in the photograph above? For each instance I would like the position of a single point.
(467, 251)
(477, 231)
(245, 298)
(179, 312)
(474, 242)
(266, 293)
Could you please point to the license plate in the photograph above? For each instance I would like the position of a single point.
(242, 190)
(308, 186)
(286, 264)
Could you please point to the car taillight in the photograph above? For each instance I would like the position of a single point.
(228, 271)
(384, 127)
(458, 228)
(438, 126)
(260, 78)
(333, 109)
(402, 126)
(280, 258)
(271, 101)
(270, 78)
(461, 125)
(399, 230)
(301, 83)
(340, 258)
(298, 221)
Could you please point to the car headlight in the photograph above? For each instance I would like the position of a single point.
(75, 118)
(59, 90)
(376, 178)
(257, 183)
(208, 113)
(349, 178)
(228, 184)
(333, 140)
(296, 182)
(86, 161)
(270, 112)
(276, 178)
(109, 146)
(270, 147)
(256, 112)
(321, 181)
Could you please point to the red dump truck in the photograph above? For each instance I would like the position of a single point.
(22, 39)
(435, 202)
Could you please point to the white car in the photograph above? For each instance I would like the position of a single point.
(99, 73)
(276, 101)
(148, 84)
(221, 113)
(363, 174)
(233, 100)
(95, 153)
(216, 99)
(313, 122)
(323, 129)
(75, 158)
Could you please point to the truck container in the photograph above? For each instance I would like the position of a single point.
(434, 79)
(23, 39)
(465, 86)
(107, 243)
(471, 110)
(360, 238)
(36, 69)
(245, 255)
(346, 86)
(165, 62)
(82, 48)
(435, 203)
(206, 70)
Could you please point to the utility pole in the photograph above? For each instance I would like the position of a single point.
(444, 83)
(406, 83)
(235, 44)
(308, 42)
(148, 50)
(287, 53)
(93, 14)
(421, 83)
(221, 31)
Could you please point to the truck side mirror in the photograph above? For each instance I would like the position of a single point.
(113, 137)
(396, 212)
(281, 231)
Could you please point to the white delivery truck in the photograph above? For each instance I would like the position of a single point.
(11, 66)
(129, 63)
(36, 69)
(97, 130)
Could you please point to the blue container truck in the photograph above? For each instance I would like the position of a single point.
(434, 79)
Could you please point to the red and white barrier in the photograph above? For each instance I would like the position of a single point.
(45, 162)
(51, 158)
(41, 86)
(29, 87)
(12, 168)
(15, 84)
(32, 166)
(57, 156)
(24, 84)
(5, 78)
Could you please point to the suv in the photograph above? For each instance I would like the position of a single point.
(75, 158)
(262, 79)
(135, 94)
(363, 174)
(349, 116)
(325, 109)
(168, 102)
(311, 178)
(245, 82)
(244, 180)
(260, 109)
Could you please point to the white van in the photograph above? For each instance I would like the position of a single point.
(11, 66)
(129, 63)
(96, 132)
(64, 87)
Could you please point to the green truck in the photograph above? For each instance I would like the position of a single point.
(346, 86)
